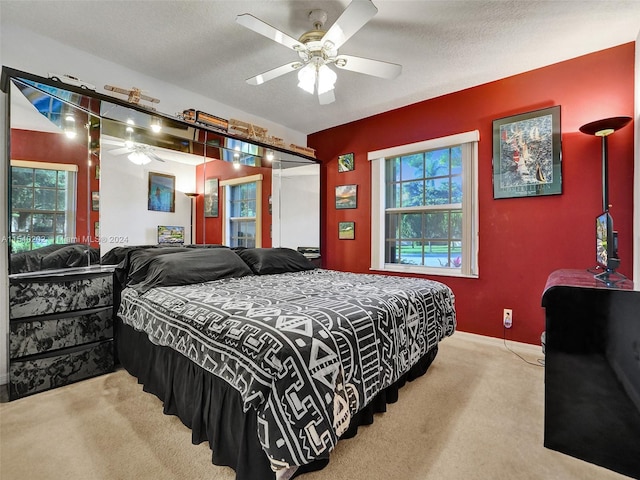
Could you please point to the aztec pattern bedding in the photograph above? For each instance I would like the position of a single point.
(306, 350)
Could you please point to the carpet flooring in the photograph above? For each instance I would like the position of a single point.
(476, 414)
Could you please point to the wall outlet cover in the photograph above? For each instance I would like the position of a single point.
(507, 317)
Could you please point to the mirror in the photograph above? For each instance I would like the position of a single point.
(52, 158)
(135, 170)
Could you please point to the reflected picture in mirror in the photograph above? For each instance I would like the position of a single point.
(211, 197)
(162, 192)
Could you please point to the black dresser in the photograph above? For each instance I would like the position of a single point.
(592, 370)
(60, 328)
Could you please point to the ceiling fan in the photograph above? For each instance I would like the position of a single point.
(138, 153)
(318, 49)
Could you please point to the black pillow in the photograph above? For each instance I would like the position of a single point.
(133, 268)
(76, 255)
(191, 266)
(265, 261)
(32, 260)
(117, 254)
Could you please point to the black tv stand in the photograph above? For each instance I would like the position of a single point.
(592, 381)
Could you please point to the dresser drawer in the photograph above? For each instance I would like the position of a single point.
(39, 335)
(34, 297)
(43, 372)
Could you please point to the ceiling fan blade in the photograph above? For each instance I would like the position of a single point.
(274, 73)
(327, 97)
(367, 66)
(252, 23)
(108, 141)
(355, 16)
(120, 151)
(153, 156)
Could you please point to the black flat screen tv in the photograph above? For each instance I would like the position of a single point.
(606, 246)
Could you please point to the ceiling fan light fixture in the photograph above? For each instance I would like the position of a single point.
(307, 78)
(156, 125)
(326, 79)
(138, 158)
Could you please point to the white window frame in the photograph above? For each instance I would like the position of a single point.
(225, 211)
(470, 238)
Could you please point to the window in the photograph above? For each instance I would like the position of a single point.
(243, 211)
(43, 204)
(424, 207)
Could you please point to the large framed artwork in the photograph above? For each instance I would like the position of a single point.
(527, 154)
(211, 197)
(162, 192)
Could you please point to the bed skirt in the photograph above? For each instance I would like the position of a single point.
(212, 409)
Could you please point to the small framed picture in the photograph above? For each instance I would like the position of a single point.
(211, 197)
(162, 192)
(346, 230)
(97, 175)
(95, 201)
(346, 196)
(346, 162)
(96, 230)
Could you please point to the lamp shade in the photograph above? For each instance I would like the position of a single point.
(604, 127)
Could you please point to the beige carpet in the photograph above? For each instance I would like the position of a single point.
(476, 414)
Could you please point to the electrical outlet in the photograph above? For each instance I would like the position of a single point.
(507, 318)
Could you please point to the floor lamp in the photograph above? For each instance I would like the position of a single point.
(603, 128)
(192, 197)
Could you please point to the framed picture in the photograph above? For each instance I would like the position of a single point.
(346, 196)
(211, 197)
(162, 192)
(527, 154)
(170, 234)
(96, 230)
(97, 175)
(95, 201)
(346, 162)
(346, 230)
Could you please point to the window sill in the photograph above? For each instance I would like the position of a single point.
(443, 272)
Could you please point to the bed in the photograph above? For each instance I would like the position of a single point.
(268, 358)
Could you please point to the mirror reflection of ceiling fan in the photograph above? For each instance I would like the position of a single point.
(137, 153)
(318, 49)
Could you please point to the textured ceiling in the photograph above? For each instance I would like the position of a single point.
(443, 46)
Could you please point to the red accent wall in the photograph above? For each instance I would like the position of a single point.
(521, 240)
(56, 148)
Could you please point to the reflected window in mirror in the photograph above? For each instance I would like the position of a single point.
(43, 207)
(242, 211)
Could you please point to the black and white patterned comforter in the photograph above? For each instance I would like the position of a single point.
(306, 350)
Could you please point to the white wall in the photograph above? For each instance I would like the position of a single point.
(27, 51)
(124, 217)
(298, 201)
